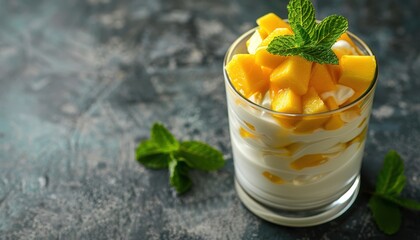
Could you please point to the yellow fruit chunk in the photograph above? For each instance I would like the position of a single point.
(347, 38)
(357, 72)
(271, 21)
(293, 73)
(311, 160)
(287, 101)
(263, 57)
(273, 178)
(335, 121)
(335, 71)
(331, 103)
(311, 104)
(321, 79)
(266, 72)
(245, 75)
(245, 134)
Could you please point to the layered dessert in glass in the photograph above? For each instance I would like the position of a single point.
(298, 128)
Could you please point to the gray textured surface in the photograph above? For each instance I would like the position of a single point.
(81, 82)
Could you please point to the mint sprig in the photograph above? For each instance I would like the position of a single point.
(311, 40)
(385, 202)
(163, 150)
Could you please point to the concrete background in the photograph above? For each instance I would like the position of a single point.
(81, 82)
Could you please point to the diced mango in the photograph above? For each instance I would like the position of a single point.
(293, 73)
(335, 71)
(263, 57)
(245, 75)
(311, 160)
(311, 104)
(331, 103)
(335, 121)
(347, 38)
(357, 72)
(342, 47)
(286, 101)
(273, 178)
(321, 79)
(266, 72)
(245, 133)
(271, 21)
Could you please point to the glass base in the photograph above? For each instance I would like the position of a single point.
(304, 218)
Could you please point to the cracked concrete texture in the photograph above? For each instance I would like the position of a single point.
(81, 82)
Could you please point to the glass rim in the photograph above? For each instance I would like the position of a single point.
(247, 34)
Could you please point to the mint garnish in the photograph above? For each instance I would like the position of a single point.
(162, 150)
(386, 200)
(311, 40)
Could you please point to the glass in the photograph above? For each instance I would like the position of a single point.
(288, 172)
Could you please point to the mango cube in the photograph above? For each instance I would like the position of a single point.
(311, 104)
(286, 101)
(321, 79)
(271, 21)
(245, 75)
(347, 38)
(263, 57)
(335, 121)
(311, 160)
(357, 72)
(293, 73)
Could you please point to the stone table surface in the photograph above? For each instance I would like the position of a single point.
(81, 82)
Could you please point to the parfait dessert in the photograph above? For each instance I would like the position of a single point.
(297, 126)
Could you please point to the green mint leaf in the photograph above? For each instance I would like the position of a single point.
(162, 138)
(151, 156)
(387, 215)
(201, 156)
(302, 13)
(391, 179)
(402, 202)
(178, 175)
(319, 55)
(329, 30)
(311, 41)
(284, 45)
(302, 37)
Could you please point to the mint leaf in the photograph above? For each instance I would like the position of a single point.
(311, 41)
(178, 175)
(284, 45)
(151, 156)
(319, 55)
(329, 30)
(402, 202)
(162, 150)
(201, 156)
(302, 37)
(391, 179)
(301, 13)
(387, 216)
(161, 137)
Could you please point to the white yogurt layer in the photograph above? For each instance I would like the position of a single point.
(266, 154)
